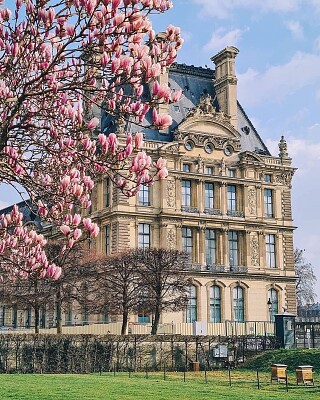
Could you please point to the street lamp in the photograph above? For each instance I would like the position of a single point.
(269, 303)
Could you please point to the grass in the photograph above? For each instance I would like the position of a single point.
(107, 386)
(292, 358)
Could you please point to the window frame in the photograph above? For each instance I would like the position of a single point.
(210, 246)
(232, 198)
(238, 304)
(273, 295)
(233, 248)
(209, 195)
(144, 231)
(191, 309)
(271, 254)
(144, 195)
(215, 304)
(187, 239)
(186, 193)
(268, 202)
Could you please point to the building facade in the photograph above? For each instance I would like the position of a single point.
(227, 202)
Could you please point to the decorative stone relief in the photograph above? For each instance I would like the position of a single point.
(284, 178)
(171, 239)
(252, 201)
(254, 250)
(171, 193)
(199, 139)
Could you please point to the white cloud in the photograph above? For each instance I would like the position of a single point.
(295, 28)
(279, 81)
(220, 40)
(223, 9)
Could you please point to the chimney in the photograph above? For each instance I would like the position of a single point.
(226, 82)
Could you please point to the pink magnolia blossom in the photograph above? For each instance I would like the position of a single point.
(49, 145)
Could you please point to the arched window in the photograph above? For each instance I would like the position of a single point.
(192, 305)
(273, 304)
(238, 304)
(215, 304)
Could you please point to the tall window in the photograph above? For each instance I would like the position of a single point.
(107, 242)
(215, 304)
(210, 247)
(268, 203)
(186, 193)
(187, 240)
(238, 304)
(271, 251)
(144, 236)
(192, 305)
(108, 192)
(144, 195)
(233, 248)
(208, 195)
(232, 198)
(231, 173)
(273, 304)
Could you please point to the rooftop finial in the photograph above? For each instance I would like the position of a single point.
(283, 148)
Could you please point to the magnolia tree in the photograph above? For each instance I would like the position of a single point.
(58, 60)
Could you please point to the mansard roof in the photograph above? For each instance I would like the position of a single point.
(195, 83)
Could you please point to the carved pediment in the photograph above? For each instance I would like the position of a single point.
(204, 118)
(248, 156)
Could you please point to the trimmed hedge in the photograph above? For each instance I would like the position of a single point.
(292, 358)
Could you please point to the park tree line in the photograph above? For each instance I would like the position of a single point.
(149, 281)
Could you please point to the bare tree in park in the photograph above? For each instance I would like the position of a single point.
(306, 279)
(117, 286)
(60, 61)
(164, 277)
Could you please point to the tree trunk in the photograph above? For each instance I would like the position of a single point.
(124, 328)
(156, 320)
(59, 316)
(36, 318)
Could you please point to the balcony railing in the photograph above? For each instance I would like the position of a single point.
(189, 209)
(212, 211)
(215, 268)
(239, 214)
(238, 269)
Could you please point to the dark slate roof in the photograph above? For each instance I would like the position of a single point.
(28, 211)
(194, 83)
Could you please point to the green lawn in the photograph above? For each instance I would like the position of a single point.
(106, 386)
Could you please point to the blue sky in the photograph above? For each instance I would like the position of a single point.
(278, 71)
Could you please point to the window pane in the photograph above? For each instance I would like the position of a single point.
(270, 251)
(273, 307)
(215, 304)
(191, 312)
(210, 247)
(108, 183)
(186, 167)
(238, 304)
(209, 195)
(144, 195)
(107, 233)
(233, 248)
(144, 236)
(232, 198)
(186, 193)
(268, 203)
(187, 240)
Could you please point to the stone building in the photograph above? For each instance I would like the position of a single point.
(226, 201)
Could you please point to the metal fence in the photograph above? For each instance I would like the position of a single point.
(307, 334)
